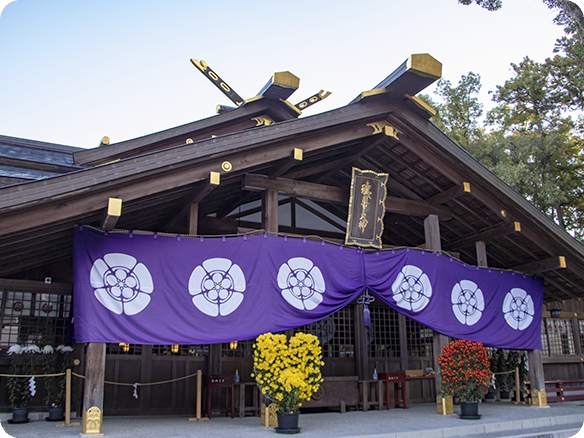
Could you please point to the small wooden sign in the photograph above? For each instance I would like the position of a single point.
(366, 208)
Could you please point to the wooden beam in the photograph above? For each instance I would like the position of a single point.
(280, 86)
(338, 195)
(196, 196)
(217, 81)
(281, 168)
(540, 266)
(560, 288)
(409, 207)
(485, 236)
(449, 194)
(36, 286)
(112, 214)
(301, 189)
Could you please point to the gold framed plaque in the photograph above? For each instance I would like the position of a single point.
(366, 208)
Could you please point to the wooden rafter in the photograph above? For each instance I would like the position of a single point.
(196, 196)
(112, 214)
(485, 236)
(539, 266)
(449, 194)
(286, 164)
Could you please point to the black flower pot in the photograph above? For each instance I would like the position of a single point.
(469, 410)
(19, 415)
(56, 414)
(288, 422)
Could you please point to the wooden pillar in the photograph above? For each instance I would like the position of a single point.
(403, 349)
(536, 377)
(193, 219)
(214, 359)
(432, 234)
(576, 336)
(361, 351)
(93, 394)
(482, 261)
(270, 211)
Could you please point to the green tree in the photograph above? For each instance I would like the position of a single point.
(544, 153)
(461, 110)
(569, 13)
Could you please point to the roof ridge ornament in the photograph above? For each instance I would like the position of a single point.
(217, 81)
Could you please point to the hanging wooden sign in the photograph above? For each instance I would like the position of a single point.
(366, 208)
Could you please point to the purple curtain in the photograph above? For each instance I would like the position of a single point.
(151, 289)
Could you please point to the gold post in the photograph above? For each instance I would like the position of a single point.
(199, 384)
(67, 401)
(68, 396)
(517, 387)
(199, 393)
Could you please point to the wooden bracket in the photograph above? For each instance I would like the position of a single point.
(540, 266)
(112, 214)
(449, 194)
(485, 236)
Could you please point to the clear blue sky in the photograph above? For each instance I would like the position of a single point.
(72, 71)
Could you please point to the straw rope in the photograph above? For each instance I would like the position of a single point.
(32, 375)
(505, 372)
(142, 384)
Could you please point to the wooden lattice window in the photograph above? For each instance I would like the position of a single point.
(545, 348)
(383, 335)
(335, 333)
(124, 348)
(34, 318)
(581, 333)
(180, 350)
(419, 339)
(238, 348)
(560, 338)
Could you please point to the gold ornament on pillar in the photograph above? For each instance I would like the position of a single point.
(92, 420)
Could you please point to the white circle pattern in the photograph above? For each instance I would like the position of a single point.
(121, 284)
(301, 283)
(412, 289)
(518, 309)
(467, 302)
(217, 287)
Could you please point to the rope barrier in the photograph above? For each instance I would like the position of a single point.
(32, 375)
(505, 372)
(142, 384)
(108, 382)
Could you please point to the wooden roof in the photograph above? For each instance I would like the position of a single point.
(384, 130)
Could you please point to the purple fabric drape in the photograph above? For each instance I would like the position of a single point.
(150, 289)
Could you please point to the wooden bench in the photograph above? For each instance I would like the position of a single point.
(335, 392)
(564, 390)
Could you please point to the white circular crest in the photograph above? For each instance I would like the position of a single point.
(412, 289)
(217, 287)
(518, 309)
(121, 284)
(467, 302)
(302, 283)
